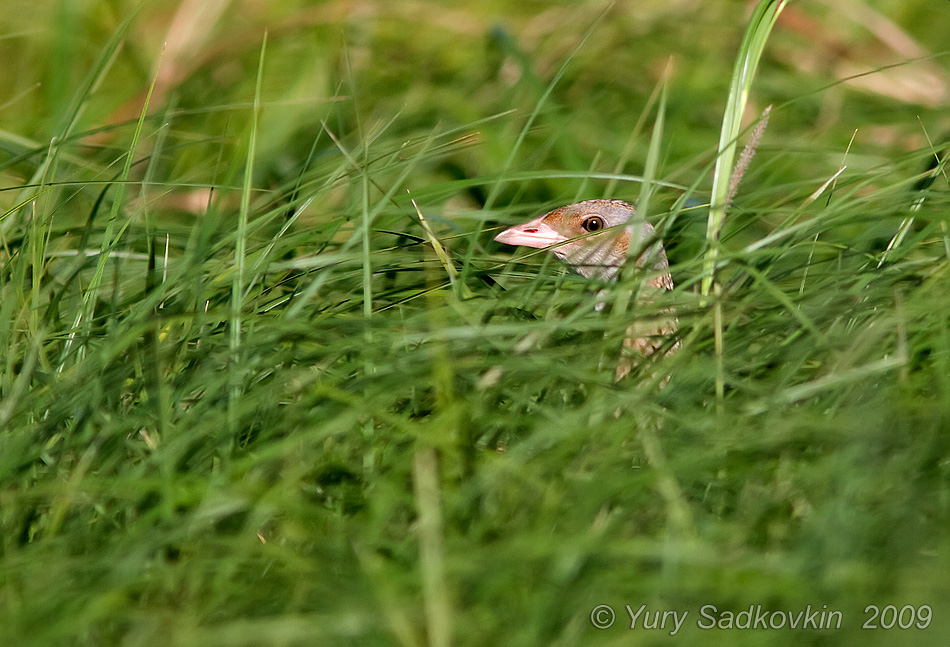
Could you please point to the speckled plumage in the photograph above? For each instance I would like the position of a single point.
(593, 237)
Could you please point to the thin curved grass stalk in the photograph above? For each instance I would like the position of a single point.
(937, 168)
(240, 251)
(110, 238)
(504, 173)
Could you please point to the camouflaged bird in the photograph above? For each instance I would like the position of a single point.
(593, 237)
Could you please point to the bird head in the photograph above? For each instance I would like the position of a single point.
(593, 236)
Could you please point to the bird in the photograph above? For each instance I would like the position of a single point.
(593, 238)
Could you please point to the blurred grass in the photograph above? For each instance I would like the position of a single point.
(334, 444)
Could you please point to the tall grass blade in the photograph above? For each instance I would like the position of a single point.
(750, 52)
(240, 250)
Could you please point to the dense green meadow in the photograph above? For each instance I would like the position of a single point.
(252, 395)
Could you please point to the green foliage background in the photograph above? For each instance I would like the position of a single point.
(243, 402)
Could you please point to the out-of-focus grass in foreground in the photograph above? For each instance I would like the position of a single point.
(243, 401)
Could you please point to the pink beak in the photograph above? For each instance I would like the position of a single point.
(531, 234)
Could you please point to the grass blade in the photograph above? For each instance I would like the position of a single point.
(750, 52)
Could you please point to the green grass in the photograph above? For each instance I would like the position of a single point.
(250, 396)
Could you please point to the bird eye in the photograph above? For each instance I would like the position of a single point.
(592, 224)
